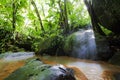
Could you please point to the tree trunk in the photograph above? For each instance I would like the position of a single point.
(94, 19)
(38, 15)
(63, 21)
(14, 15)
(66, 17)
(14, 8)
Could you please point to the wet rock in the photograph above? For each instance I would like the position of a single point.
(84, 45)
(81, 44)
(103, 49)
(108, 13)
(117, 76)
(36, 70)
(115, 59)
(51, 46)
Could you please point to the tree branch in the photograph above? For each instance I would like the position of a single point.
(38, 15)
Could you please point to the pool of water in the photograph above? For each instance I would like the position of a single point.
(84, 69)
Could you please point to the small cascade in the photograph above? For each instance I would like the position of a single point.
(85, 45)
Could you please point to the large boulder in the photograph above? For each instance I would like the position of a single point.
(115, 59)
(36, 70)
(84, 45)
(103, 49)
(51, 45)
(117, 76)
(108, 13)
(81, 44)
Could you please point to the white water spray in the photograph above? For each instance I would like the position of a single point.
(85, 48)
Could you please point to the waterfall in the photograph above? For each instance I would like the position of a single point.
(85, 45)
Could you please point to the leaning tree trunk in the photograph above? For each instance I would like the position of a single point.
(38, 15)
(94, 19)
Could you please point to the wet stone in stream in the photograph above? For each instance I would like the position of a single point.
(36, 70)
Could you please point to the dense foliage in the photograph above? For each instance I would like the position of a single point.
(37, 25)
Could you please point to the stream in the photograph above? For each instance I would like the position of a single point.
(84, 69)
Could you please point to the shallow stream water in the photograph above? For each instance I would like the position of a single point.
(84, 69)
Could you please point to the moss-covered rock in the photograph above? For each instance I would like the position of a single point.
(51, 45)
(69, 43)
(81, 44)
(36, 70)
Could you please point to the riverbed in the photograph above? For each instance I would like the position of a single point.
(84, 69)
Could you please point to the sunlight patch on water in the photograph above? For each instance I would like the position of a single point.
(91, 70)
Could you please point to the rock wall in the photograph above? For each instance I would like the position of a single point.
(108, 13)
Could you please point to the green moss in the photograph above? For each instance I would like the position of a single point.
(50, 45)
(31, 71)
(70, 40)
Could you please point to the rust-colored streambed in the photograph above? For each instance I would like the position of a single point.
(84, 69)
(7, 67)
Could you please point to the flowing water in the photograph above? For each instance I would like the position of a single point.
(84, 69)
(85, 45)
